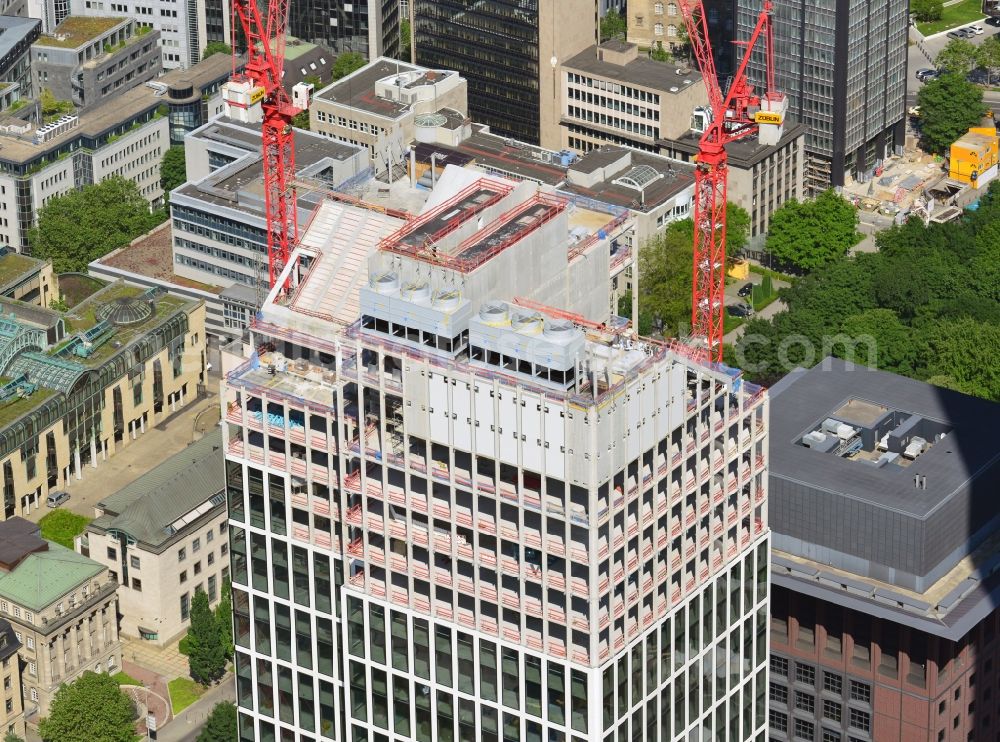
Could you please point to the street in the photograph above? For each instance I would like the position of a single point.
(188, 723)
(922, 54)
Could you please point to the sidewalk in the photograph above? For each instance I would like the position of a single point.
(188, 723)
(166, 661)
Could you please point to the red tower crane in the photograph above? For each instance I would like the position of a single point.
(737, 115)
(261, 83)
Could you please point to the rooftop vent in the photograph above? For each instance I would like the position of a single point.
(385, 283)
(494, 313)
(559, 329)
(446, 300)
(417, 291)
(530, 324)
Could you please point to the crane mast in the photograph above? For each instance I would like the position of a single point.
(257, 94)
(738, 114)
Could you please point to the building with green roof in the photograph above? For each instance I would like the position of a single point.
(76, 386)
(64, 607)
(164, 535)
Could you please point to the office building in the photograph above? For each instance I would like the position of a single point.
(843, 67)
(27, 279)
(163, 538)
(610, 94)
(219, 229)
(125, 136)
(87, 60)
(80, 385)
(183, 29)
(510, 54)
(343, 26)
(463, 515)
(16, 37)
(63, 605)
(379, 107)
(652, 23)
(12, 710)
(761, 177)
(884, 510)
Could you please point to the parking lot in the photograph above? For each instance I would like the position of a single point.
(923, 52)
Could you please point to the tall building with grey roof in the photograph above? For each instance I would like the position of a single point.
(886, 551)
(63, 608)
(164, 538)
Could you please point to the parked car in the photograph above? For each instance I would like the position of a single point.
(956, 35)
(740, 310)
(992, 21)
(55, 499)
(932, 75)
(745, 290)
(975, 28)
(924, 71)
(967, 33)
(979, 77)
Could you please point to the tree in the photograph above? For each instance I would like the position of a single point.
(811, 234)
(11, 737)
(173, 168)
(206, 652)
(891, 342)
(216, 47)
(92, 707)
(86, 224)
(949, 105)
(301, 120)
(737, 229)
(405, 40)
(957, 56)
(220, 725)
(988, 56)
(963, 356)
(927, 10)
(347, 63)
(224, 619)
(665, 277)
(658, 53)
(613, 25)
(52, 107)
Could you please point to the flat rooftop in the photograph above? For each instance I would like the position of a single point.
(661, 178)
(507, 156)
(152, 256)
(15, 267)
(93, 123)
(357, 90)
(802, 400)
(743, 153)
(78, 30)
(245, 176)
(642, 71)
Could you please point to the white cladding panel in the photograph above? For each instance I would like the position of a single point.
(647, 410)
(633, 421)
(461, 417)
(507, 426)
(678, 396)
(555, 436)
(437, 408)
(531, 433)
(485, 437)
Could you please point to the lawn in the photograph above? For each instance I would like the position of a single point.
(184, 692)
(953, 16)
(123, 678)
(62, 525)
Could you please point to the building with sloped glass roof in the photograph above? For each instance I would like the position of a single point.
(164, 537)
(77, 386)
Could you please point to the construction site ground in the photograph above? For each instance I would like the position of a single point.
(902, 180)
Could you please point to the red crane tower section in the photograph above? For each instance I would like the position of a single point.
(734, 116)
(265, 40)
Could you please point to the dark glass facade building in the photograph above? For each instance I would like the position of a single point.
(495, 46)
(842, 64)
(341, 25)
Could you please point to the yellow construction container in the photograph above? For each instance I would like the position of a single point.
(739, 270)
(974, 157)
